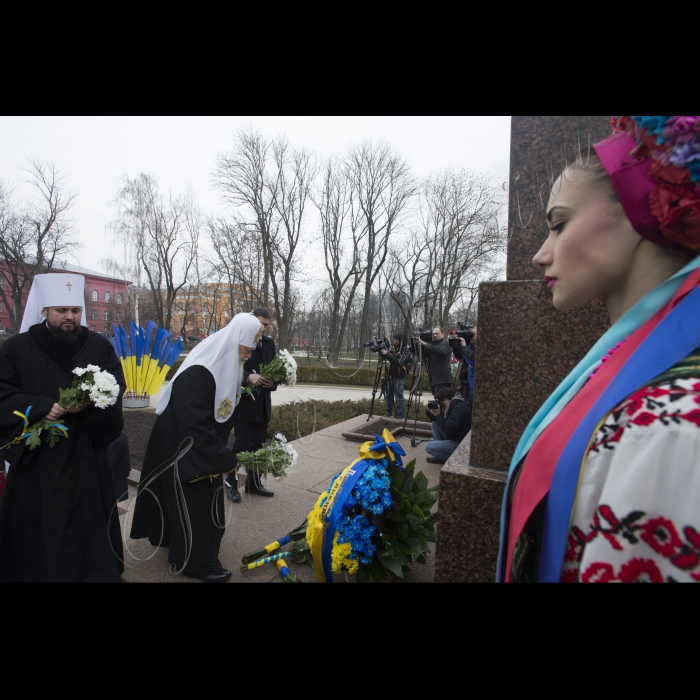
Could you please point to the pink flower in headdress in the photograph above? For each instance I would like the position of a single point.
(680, 129)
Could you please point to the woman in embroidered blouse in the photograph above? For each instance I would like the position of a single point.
(605, 483)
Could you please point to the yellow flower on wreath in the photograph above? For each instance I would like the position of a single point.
(340, 558)
(340, 554)
(314, 519)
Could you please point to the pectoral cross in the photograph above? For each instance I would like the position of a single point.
(69, 285)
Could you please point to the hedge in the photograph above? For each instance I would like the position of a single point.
(324, 375)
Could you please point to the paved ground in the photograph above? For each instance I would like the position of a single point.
(257, 521)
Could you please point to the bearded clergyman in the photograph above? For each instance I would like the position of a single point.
(180, 502)
(58, 520)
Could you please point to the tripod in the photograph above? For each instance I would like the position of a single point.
(415, 398)
(381, 366)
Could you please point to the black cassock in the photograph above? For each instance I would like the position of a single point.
(192, 530)
(58, 516)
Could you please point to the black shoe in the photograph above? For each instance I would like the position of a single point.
(225, 575)
(435, 460)
(253, 485)
(232, 492)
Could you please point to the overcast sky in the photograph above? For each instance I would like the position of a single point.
(95, 152)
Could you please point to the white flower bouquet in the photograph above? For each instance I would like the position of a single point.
(282, 370)
(91, 386)
(275, 458)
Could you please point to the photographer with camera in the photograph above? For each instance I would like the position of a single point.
(400, 363)
(464, 349)
(451, 419)
(438, 354)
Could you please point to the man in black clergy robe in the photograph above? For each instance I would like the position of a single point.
(253, 415)
(183, 509)
(58, 516)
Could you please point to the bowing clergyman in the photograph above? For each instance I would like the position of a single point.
(180, 504)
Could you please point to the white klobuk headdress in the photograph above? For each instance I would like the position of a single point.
(53, 289)
(219, 354)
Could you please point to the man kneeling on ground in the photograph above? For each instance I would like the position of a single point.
(452, 421)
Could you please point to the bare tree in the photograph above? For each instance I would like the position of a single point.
(244, 180)
(341, 228)
(384, 186)
(269, 183)
(237, 257)
(34, 235)
(162, 238)
(459, 216)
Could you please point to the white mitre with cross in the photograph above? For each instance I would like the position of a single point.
(53, 289)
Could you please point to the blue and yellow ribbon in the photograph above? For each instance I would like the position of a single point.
(267, 560)
(384, 447)
(25, 435)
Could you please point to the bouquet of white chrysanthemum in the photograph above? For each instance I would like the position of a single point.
(275, 458)
(90, 386)
(282, 370)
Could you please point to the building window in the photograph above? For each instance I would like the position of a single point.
(108, 297)
(106, 315)
(92, 328)
(119, 317)
(94, 296)
(93, 315)
(119, 299)
(225, 311)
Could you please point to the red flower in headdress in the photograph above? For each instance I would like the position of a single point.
(669, 174)
(678, 210)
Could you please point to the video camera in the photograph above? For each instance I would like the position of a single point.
(455, 338)
(420, 334)
(378, 345)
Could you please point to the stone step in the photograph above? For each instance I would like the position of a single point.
(134, 477)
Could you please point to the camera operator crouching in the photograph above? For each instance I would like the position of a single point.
(438, 354)
(451, 418)
(400, 363)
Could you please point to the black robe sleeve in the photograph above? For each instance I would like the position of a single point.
(12, 398)
(106, 424)
(191, 407)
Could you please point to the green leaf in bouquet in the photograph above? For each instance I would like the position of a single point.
(420, 559)
(33, 440)
(392, 564)
(420, 482)
(301, 552)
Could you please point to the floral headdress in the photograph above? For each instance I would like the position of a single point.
(662, 165)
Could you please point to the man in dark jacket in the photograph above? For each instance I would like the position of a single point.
(439, 357)
(451, 424)
(253, 413)
(400, 363)
(466, 354)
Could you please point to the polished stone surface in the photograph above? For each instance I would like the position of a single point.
(468, 521)
(540, 147)
(526, 348)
